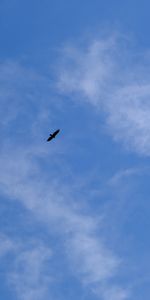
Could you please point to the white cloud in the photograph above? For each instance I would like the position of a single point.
(22, 179)
(115, 293)
(130, 121)
(29, 276)
(103, 75)
(28, 270)
(6, 245)
(93, 260)
(123, 174)
(88, 70)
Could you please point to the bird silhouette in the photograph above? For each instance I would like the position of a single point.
(53, 135)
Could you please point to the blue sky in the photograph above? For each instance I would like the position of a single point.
(75, 212)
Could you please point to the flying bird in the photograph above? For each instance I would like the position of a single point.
(52, 136)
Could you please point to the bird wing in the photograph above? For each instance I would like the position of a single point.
(55, 133)
(49, 138)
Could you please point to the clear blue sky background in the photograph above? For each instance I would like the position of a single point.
(75, 212)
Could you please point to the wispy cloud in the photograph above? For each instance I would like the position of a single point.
(51, 202)
(6, 245)
(29, 274)
(89, 257)
(115, 293)
(116, 82)
(124, 174)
